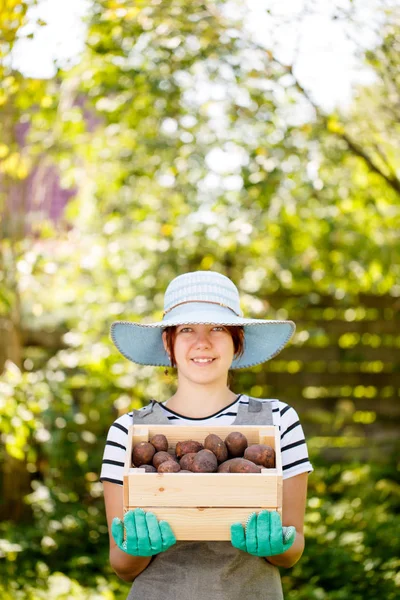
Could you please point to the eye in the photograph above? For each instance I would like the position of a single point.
(185, 329)
(219, 328)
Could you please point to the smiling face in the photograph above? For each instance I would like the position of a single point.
(203, 353)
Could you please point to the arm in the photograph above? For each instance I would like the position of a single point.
(127, 567)
(293, 509)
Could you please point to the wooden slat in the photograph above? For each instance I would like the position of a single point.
(203, 489)
(204, 523)
(138, 433)
(282, 381)
(277, 300)
(386, 410)
(128, 455)
(126, 492)
(128, 461)
(337, 327)
(327, 354)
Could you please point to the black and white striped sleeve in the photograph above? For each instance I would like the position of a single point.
(293, 444)
(112, 467)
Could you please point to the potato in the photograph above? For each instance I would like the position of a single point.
(148, 468)
(169, 466)
(161, 457)
(187, 460)
(205, 461)
(244, 466)
(224, 467)
(186, 447)
(215, 444)
(236, 443)
(142, 454)
(159, 442)
(261, 454)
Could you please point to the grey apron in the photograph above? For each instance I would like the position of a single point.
(208, 570)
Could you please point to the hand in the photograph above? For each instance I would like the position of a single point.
(145, 535)
(264, 535)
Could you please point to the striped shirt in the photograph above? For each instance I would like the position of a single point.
(293, 444)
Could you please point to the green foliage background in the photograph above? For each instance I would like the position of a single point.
(141, 129)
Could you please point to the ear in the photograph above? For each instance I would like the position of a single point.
(164, 339)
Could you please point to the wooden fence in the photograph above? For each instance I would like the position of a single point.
(341, 372)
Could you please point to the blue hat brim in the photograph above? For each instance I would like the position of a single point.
(142, 343)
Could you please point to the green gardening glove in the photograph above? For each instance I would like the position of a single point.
(145, 535)
(264, 535)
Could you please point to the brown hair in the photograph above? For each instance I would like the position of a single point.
(236, 331)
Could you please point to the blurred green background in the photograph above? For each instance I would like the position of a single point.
(178, 141)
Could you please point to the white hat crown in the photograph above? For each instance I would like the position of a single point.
(202, 286)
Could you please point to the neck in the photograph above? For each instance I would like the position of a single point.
(198, 401)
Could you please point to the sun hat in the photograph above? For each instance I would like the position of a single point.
(201, 297)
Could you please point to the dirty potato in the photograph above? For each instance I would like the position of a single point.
(142, 454)
(161, 457)
(186, 447)
(225, 466)
(236, 443)
(244, 466)
(187, 460)
(169, 466)
(261, 454)
(148, 468)
(217, 446)
(205, 461)
(160, 442)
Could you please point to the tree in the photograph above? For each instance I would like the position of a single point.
(185, 115)
(17, 99)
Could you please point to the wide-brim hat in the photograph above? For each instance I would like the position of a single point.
(201, 297)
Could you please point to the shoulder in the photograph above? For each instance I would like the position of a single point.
(287, 412)
(284, 415)
(282, 408)
(124, 421)
(288, 418)
(121, 425)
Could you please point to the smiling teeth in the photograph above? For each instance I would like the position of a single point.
(203, 360)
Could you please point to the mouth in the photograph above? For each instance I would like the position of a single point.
(202, 361)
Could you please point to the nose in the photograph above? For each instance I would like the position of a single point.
(203, 340)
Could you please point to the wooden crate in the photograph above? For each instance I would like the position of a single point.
(202, 506)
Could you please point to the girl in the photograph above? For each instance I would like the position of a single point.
(203, 334)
